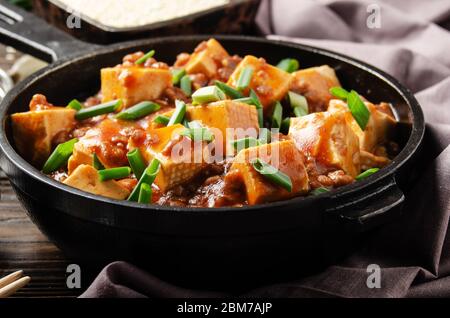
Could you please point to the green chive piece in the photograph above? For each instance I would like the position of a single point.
(339, 93)
(367, 174)
(162, 120)
(229, 91)
(289, 65)
(177, 75)
(277, 116)
(114, 173)
(138, 111)
(245, 78)
(272, 174)
(186, 123)
(245, 100)
(265, 136)
(259, 107)
(59, 156)
(137, 162)
(148, 177)
(358, 109)
(178, 115)
(198, 134)
(245, 143)
(207, 95)
(144, 59)
(299, 104)
(75, 104)
(285, 125)
(186, 85)
(145, 194)
(320, 191)
(96, 163)
(101, 109)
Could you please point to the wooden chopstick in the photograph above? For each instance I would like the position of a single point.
(12, 283)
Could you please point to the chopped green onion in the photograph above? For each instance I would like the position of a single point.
(137, 162)
(138, 111)
(186, 123)
(96, 163)
(177, 75)
(194, 124)
(245, 100)
(367, 174)
(145, 194)
(75, 104)
(265, 136)
(285, 125)
(289, 65)
(178, 115)
(245, 143)
(207, 95)
(101, 109)
(320, 191)
(299, 104)
(114, 173)
(272, 174)
(144, 59)
(277, 116)
(198, 134)
(148, 177)
(229, 91)
(259, 107)
(59, 156)
(186, 85)
(162, 120)
(358, 109)
(245, 78)
(339, 92)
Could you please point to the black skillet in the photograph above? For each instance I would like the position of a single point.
(215, 248)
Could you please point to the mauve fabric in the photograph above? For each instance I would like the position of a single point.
(413, 45)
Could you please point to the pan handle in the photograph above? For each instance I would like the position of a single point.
(34, 36)
(375, 206)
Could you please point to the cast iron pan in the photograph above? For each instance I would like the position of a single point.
(210, 248)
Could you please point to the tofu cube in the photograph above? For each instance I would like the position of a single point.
(329, 138)
(378, 129)
(35, 132)
(315, 83)
(206, 58)
(134, 84)
(282, 155)
(269, 82)
(86, 178)
(181, 159)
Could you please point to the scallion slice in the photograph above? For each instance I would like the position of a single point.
(59, 156)
(289, 65)
(137, 162)
(145, 194)
(272, 174)
(229, 91)
(138, 111)
(207, 95)
(285, 125)
(198, 134)
(245, 143)
(358, 109)
(245, 78)
(299, 104)
(320, 191)
(179, 113)
(148, 177)
(277, 116)
(96, 163)
(367, 174)
(75, 104)
(186, 85)
(101, 109)
(259, 107)
(162, 120)
(144, 59)
(265, 136)
(177, 75)
(114, 173)
(339, 93)
(245, 100)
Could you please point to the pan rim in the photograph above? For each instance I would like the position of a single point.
(411, 147)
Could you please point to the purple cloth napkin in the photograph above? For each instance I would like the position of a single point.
(413, 45)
